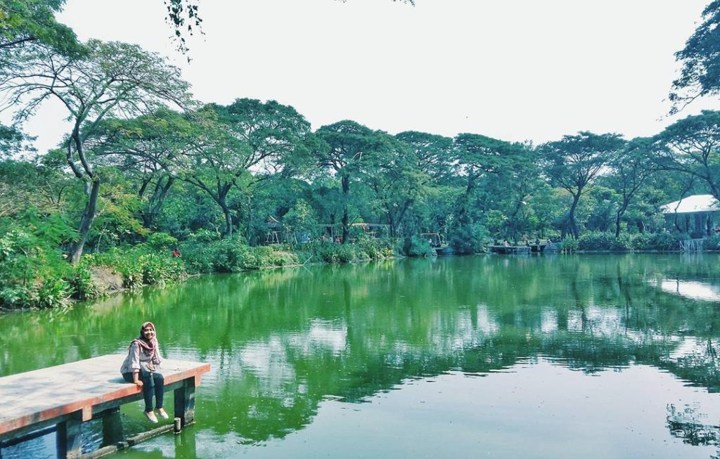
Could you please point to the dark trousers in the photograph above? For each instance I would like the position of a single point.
(153, 382)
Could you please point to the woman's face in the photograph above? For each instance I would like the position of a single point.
(148, 332)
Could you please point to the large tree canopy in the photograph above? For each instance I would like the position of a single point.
(27, 21)
(574, 162)
(111, 79)
(691, 146)
(700, 61)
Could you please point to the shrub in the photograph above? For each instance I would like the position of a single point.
(161, 241)
(712, 243)
(569, 245)
(604, 241)
(80, 282)
(663, 241)
(415, 246)
(30, 268)
(53, 293)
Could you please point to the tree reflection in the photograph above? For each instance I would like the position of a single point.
(686, 424)
(282, 342)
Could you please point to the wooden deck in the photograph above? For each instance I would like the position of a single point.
(67, 395)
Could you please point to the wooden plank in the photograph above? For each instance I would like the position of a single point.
(38, 398)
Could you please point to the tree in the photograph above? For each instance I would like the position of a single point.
(350, 150)
(700, 58)
(23, 22)
(475, 158)
(12, 140)
(431, 170)
(574, 162)
(631, 170)
(148, 149)
(690, 146)
(241, 144)
(112, 79)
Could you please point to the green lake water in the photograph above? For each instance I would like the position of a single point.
(593, 356)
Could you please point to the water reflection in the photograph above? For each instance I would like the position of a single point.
(288, 346)
(694, 290)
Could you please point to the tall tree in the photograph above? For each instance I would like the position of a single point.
(630, 171)
(148, 149)
(476, 158)
(691, 146)
(349, 150)
(243, 143)
(574, 162)
(700, 60)
(111, 79)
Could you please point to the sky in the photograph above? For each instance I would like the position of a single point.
(516, 70)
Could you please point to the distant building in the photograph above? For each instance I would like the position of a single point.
(694, 215)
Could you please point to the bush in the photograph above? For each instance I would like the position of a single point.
(415, 246)
(80, 282)
(161, 241)
(53, 293)
(140, 266)
(31, 268)
(712, 243)
(663, 241)
(604, 241)
(569, 245)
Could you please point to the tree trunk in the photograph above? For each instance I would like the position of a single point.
(156, 201)
(345, 183)
(228, 220)
(86, 222)
(571, 217)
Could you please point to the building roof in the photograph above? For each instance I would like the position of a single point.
(690, 204)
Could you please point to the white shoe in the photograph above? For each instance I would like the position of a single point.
(151, 417)
(163, 414)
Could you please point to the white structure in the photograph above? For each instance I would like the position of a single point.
(693, 214)
(691, 204)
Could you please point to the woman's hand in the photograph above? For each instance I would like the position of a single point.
(138, 383)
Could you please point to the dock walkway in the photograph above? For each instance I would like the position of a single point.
(64, 396)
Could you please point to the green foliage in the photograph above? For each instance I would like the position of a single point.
(330, 252)
(233, 255)
(415, 246)
(604, 241)
(161, 240)
(142, 265)
(53, 293)
(31, 267)
(466, 239)
(663, 241)
(81, 283)
(699, 58)
(569, 245)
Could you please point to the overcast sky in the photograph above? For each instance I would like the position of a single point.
(514, 69)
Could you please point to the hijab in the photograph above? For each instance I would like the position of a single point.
(147, 346)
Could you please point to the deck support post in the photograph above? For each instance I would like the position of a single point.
(185, 402)
(69, 436)
(112, 427)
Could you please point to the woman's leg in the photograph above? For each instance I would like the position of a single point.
(159, 385)
(148, 383)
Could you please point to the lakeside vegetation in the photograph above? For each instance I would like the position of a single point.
(145, 169)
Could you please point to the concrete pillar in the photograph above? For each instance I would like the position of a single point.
(112, 427)
(185, 402)
(69, 437)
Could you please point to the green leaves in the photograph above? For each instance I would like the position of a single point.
(700, 60)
